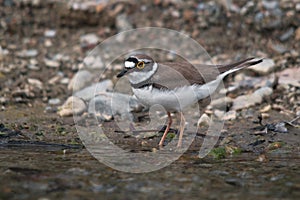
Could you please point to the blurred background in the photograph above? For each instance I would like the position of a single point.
(43, 46)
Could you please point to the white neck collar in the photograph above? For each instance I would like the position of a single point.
(138, 77)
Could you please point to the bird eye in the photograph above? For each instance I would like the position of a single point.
(140, 65)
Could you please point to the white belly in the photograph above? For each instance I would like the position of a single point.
(177, 99)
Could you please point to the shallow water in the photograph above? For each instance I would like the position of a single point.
(54, 173)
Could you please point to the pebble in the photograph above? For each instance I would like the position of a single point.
(51, 63)
(222, 115)
(3, 52)
(93, 62)
(297, 34)
(55, 79)
(298, 6)
(27, 53)
(107, 105)
(80, 80)
(278, 48)
(290, 76)
(265, 109)
(73, 105)
(265, 115)
(91, 91)
(230, 115)
(264, 67)
(249, 100)
(285, 36)
(48, 43)
(65, 81)
(55, 101)
(50, 33)
(3, 100)
(254, 82)
(270, 5)
(89, 40)
(35, 82)
(204, 120)
(249, 5)
(221, 103)
(261, 158)
(219, 113)
(19, 93)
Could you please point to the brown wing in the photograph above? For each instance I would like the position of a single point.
(171, 75)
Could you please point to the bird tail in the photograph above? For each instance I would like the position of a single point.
(239, 65)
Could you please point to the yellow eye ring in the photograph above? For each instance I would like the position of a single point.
(140, 65)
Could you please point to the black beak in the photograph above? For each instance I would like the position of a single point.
(122, 73)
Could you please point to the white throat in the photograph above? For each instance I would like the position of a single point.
(138, 77)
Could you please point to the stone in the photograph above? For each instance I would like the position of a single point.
(27, 53)
(50, 33)
(107, 105)
(249, 100)
(73, 106)
(55, 101)
(51, 63)
(286, 35)
(264, 67)
(80, 80)
(265, 109)
(219, 113)
(91, 91)
(230, 115)
(93, 62)
(289, 76)
(204, 120)
(55, 79)
(221, 103)
(35, 82)
(297, 34)
(89, 40)
(270, 5)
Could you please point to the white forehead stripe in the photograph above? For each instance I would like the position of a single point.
(129, 64)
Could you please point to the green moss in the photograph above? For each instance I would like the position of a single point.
(171, 135)
(218, 153)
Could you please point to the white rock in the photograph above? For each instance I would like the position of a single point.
(107, 105)
(51, 63)
(73, 105)
(65, 81)
(219, 113)
(50, 33)
(93, 62)
(27, 53)
(55, 101)
(35, 82)
(80, 80)
(89, 40)
(290, 76)
(221, 103)
(204, 120)
(91, 91)
(249, 100)
(264, 67)
(230, 115)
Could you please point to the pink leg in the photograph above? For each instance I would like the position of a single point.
(182, 125)
(166, 131)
